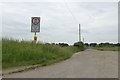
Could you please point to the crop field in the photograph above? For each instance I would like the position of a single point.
(24, 53)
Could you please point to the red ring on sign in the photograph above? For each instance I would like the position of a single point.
(35, 20)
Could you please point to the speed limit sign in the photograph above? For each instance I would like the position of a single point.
(35, 24)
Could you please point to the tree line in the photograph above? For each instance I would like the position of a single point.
(81, 44)
(102, 44)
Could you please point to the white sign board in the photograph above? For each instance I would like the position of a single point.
(35, 24)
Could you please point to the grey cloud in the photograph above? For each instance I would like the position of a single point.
(57, 23)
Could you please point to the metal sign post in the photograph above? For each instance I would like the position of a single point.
(35, 38)
(35, 26)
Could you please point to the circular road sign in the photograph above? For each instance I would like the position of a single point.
(35, 20)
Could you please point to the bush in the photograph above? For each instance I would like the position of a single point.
(63, 44)
(93, 44)
(80, 45)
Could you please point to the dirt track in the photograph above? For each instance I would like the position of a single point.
(87, 64)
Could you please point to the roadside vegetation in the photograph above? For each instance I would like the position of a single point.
(80, 45)
(104, 46)
(23, 53)
(108, 47)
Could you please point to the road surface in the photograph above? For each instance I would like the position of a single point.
(86, 64)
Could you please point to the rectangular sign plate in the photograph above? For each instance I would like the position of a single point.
(35, 24)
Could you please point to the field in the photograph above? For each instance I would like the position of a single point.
(24, 53)
(108, 48)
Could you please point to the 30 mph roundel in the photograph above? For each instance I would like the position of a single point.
(35, 20)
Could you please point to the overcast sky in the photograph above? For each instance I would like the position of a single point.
(59, 21)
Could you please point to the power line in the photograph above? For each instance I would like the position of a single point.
(70, 12)
(76, 21)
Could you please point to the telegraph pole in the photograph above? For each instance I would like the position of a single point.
(83, 39)
(79, 33)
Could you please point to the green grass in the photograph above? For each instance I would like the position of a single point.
(108, 48)
(16, 54)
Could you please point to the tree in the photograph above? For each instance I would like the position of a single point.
(118, 44)
(86, 44)
(63, 44)
(93, 44)
(80, 45)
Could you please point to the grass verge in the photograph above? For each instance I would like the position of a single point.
(24, 53)
(105, 48)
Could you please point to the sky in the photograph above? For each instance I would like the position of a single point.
(59, 21)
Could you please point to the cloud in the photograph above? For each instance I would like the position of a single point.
(58, 24)
(60, 1)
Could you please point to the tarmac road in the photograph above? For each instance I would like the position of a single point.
(86, 64)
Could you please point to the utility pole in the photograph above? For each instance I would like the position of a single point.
(79, 33)
(83, 39)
